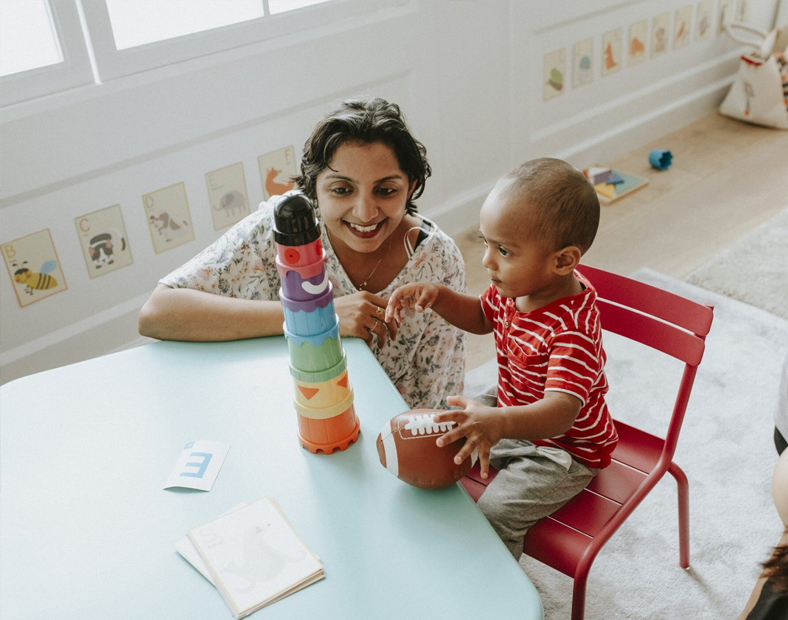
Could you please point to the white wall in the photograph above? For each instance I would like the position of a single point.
(467, 73)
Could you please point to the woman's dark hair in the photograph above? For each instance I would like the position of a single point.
(366, 122)
(777, 569)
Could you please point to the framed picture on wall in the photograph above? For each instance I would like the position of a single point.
(227, 195)
(660, 28)
(34, 267)
(704, 16)
(612, 51)
(638, 36)
(553, 74)
(276, 171)
(583, 66)
(682, 27)
(105, 245)
(168, 216)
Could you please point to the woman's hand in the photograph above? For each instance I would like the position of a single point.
(362, 315)
(482, 427)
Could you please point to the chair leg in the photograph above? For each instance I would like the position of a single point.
(683, 489)
(579, 596)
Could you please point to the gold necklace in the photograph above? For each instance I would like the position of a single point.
(363, 285)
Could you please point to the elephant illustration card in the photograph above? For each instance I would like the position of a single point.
(105, 244)
(227, 195)
(34, 267)
(169, 218)
(276, 171)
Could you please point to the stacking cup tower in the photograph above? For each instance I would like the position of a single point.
(323, 394)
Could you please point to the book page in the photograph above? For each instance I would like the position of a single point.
(255, 556)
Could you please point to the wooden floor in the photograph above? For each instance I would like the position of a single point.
(727, 177)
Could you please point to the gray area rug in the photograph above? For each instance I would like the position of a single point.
(727, 453)
(752, 269)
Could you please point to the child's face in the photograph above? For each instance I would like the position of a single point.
(517, 264)
(362, 195)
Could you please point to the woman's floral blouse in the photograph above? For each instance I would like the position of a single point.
(427, 361)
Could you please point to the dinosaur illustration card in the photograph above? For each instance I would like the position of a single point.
(168, 216)
(34, 268)
(227, 195)
(583, 52)
(105, 244)
(704, 16)
(276, 171)
(638, 36)
(553, 74)
(660, 24)
(254, 556)
(612, 51)
(682, 26)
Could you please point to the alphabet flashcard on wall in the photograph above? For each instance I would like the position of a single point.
(660, 25)
(611, 51)
(198, 465)
(227, 195)
(169, 218)
(638, 35)
(682, 27)
(276, 171)
(104, 241)
(725, 15)
(583, 52)
(553, 72)
(703, 19)
(34, 268)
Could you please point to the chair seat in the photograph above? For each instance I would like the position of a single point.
(572, 528)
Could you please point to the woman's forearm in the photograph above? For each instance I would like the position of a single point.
(187, 314)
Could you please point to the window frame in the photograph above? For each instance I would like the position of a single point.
(73, 71)
(113, 63)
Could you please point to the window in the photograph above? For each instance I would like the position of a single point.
(42, 49)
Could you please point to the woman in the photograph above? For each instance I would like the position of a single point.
(364, 170)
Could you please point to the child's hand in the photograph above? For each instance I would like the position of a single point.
(482, 427)
(414, 296)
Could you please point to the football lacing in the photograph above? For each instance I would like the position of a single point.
(424, 424)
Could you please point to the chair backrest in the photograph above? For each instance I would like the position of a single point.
(659, 319)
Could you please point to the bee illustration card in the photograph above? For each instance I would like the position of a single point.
(227, 195)
(682, 25)
(703, 19)
(553, 74)
(104, 241)
(34, 267)
(660, 24)
(638, 35)
(583, 52)
(612, 51)
(276, 170)
(169, 218)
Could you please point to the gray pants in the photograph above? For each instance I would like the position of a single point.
(532, 482)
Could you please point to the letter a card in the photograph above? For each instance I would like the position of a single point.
(34, 267)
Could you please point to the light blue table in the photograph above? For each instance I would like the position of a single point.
(86, 530)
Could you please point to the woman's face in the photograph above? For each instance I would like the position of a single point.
(362, 195)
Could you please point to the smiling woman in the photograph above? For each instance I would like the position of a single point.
(363, 169)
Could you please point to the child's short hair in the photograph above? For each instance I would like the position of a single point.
(564, 202)
(364, 121)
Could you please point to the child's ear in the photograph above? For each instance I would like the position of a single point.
(566, 259)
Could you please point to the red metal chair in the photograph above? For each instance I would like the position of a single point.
(570, 539)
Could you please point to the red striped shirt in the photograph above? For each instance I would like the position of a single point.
(556, 348)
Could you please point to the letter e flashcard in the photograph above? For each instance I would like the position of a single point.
(198, 465)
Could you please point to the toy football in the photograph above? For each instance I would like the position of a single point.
(406, 447)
